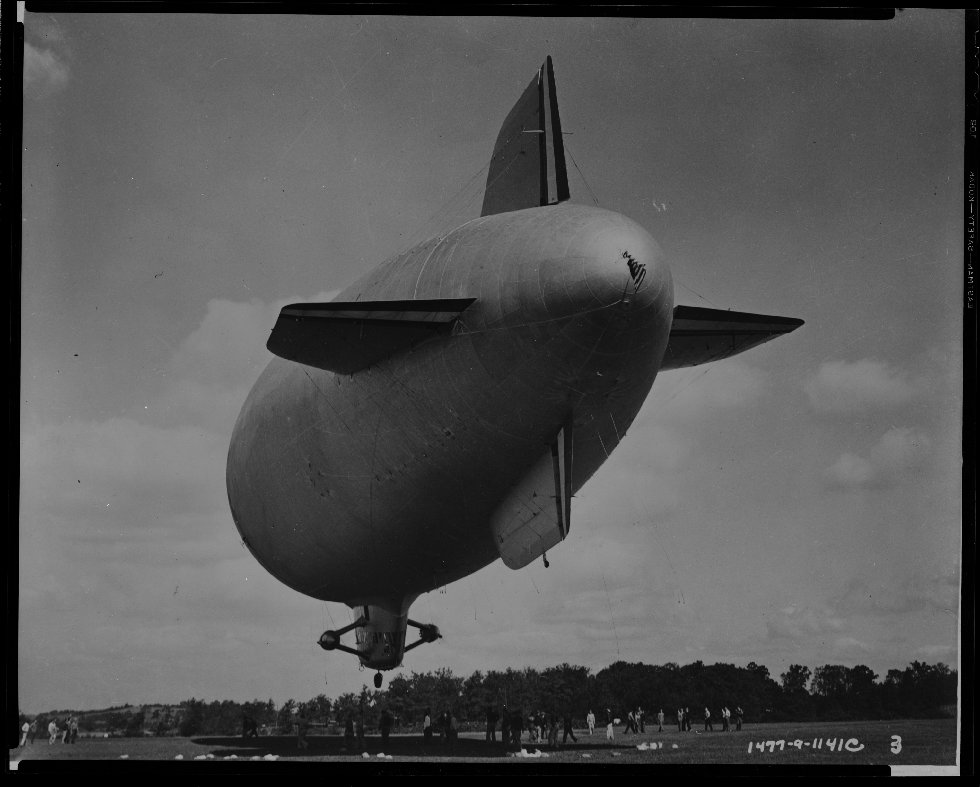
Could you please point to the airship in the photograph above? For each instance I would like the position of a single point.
(443, 410)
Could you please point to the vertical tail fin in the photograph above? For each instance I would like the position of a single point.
(528, 164)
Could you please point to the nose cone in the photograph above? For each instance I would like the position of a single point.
(595, 301)
(605, 262)
(623, 263)
(606, 270)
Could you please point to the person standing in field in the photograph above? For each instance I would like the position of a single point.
(360, 731)
(738, 718)
(385, 726)
(301, 742)
(349, 733)
(491, 724)
(516, 728)
(610, 735)
(450, 731)
(680, 720)
(707, 720)
(33, 734)
(25, 728)
(590, 720)
(660, 720)
(52, 731)
(567, 729)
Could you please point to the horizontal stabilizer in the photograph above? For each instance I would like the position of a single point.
(345, 337)
(702, 335)
(527, 169)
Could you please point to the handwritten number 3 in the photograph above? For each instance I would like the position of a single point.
(896, 744)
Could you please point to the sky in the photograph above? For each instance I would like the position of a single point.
(184, 176)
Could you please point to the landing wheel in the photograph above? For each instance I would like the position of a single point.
(377, 680)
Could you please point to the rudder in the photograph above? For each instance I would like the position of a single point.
(527, 168)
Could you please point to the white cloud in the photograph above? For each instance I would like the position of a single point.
(850, 471)
(151, 515)
(44, 70)
(44, 27)
(228, 347)
(840, 387)
(215, 366)
(229, 344)
(694, 393)
(167, 462)
(850, 645)
(899, 450)
(945, 653)
(802, 623)
(118, 474)
(921, 592)
(650, 463)
(117, 514)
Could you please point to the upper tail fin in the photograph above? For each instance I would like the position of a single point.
(528, 164)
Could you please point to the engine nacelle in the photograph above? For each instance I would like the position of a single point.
(380, 637)
(429, 632)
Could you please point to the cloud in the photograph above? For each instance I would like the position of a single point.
(650, 464)
(695, 393)
(841, 388)
(588, 607)
(803, 623)
(164, 463)
(44, 27)
(117, 513)
(850, 471)
(228, 347)
(899, 450)
(112, 477)
(945, 653)
(213, 369)
(229, 344)
(850, 645)
(44, 70)
(932, 593)
(640, 481)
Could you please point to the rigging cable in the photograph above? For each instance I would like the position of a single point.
(582, 174)
(689, 289)
(596, 201)
(612, 617)
(439, 212)
(663, 546)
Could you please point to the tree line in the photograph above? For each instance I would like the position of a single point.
(828, 693)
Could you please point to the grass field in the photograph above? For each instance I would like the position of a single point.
(911, 742)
